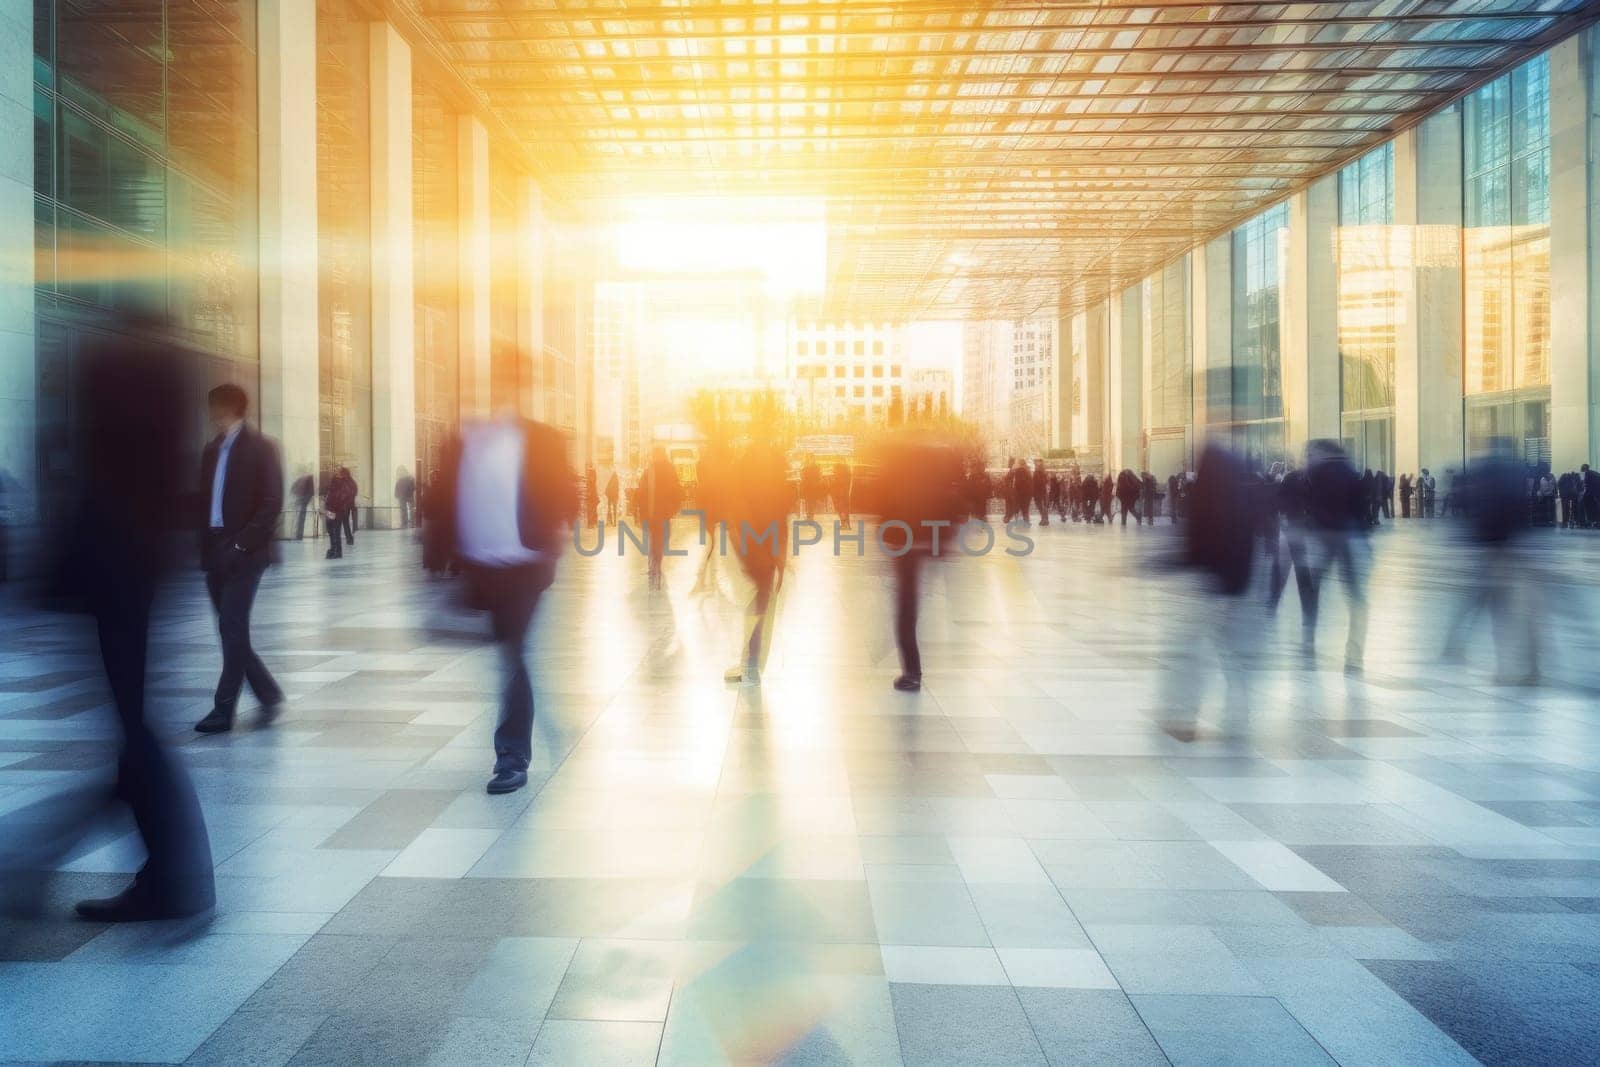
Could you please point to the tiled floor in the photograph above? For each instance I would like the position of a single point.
(1037, 859)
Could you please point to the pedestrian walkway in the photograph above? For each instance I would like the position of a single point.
(1029, 861)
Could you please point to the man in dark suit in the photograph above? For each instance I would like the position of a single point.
(506, 494)
(242, 483)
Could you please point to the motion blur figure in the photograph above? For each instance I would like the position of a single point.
(1219, 546)
(133, 404)
(1499, 581)
(660, 497)
(920, 486)
(1284, 527)
(506, 496)
(1339, 513)
(757, 514)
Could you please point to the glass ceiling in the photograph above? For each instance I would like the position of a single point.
(976, 158)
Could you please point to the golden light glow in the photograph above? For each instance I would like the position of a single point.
(782, 243)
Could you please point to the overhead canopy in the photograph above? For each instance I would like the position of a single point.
(974, 158)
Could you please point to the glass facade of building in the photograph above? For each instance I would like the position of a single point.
(1369, 253)
(1506, 261)
(144, 177)
(1253, 396)
(344, 228)
(1168, 368)
(434, 132)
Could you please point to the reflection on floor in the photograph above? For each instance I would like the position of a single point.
(1029, 861)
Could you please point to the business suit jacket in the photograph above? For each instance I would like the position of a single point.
(252, 500)
(547, 501)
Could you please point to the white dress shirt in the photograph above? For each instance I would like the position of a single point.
(487, 495)
(221, 476)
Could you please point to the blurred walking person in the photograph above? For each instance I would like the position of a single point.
(758, 521)
(405, 497)
(920, 484)
(1040, 481)
(241, 473)
(842, 479)
(1339, 513)
(132, 402)
(1290, 502)
(613, 492)
(1498, 579)
(302, 491)
(338, 501)
(660, 497)
(1219, 549)
(1127, 490)
(506, 497)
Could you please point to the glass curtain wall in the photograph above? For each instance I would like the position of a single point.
(437, 213)
(144, 176)
(1368, 257)
(344, 220)
(1506, 260)
(1256, 377)
(1168, 372)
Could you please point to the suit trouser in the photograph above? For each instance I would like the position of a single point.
(233, 593)
(759, 616)
(335, 527)
(907, 599)
(300, 520)
(177, 868)
(512, 594)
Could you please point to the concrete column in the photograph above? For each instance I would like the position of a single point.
(1096, 341)
(1571, 437)
(530, 295)
(583, 353)
(287, 184)
(1428, 352)
(1212, 336)
(1061, 384)
(1309, 318)
(1124, 379)
(19, 475)
(472, 187)
(394, 408)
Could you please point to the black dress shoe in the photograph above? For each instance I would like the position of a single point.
(220, 721)
(270, 712)
(909, 683)
(507, 781)
(133, 906)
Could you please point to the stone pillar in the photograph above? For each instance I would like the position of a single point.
(1124, 379)
(1212, 337)
(583, 351)
(19, 475)
(1570, 388)
(1428, 352)
(472, 185)
(394, 408)
(1309, 319)
(1061, 384)
(530, 296)
(287, 182)
(1096, 341)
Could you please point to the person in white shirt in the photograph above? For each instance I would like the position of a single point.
(244, 481)
(507, 492)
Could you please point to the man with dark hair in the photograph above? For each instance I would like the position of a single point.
(242, 482)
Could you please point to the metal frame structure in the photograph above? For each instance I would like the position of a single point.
(981, 158)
